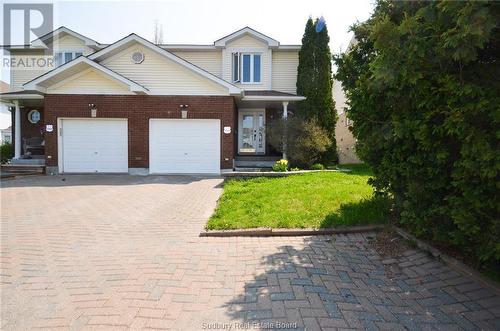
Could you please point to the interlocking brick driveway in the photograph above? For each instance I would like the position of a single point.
(118, 252)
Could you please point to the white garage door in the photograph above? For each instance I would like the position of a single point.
(184, 146)
(94, 145)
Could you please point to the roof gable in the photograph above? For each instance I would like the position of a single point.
(60, 32)
(246, 31)
(68, 70)
(131, 39)
(160, 75)
(90, 81)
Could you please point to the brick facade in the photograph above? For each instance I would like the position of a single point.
(138, 109)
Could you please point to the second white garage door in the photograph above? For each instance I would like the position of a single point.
(184, 146)
(93, 145)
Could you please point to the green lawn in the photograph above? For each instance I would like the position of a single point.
(317, 200)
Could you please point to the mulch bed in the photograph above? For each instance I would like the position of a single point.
(388, 243)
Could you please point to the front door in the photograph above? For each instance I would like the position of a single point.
(252, 137)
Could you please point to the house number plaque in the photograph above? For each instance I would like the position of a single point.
(227, 129)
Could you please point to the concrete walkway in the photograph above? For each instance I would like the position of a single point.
(123, 252)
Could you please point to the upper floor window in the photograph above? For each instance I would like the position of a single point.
(62, 57)
(246, 67)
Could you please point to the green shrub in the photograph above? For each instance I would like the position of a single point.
(5, 152)
(317, 166)
(423, 95)
(306, 140)
(280, 166)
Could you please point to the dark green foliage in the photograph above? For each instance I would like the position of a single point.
(5, 152)
(423, 88)
(314, 81)
(306, 140)
(317, 166)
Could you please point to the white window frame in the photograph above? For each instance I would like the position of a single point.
(63, 55)
(240, 66)
(235, 55)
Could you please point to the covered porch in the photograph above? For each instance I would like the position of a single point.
(255, 110)
(28, 142)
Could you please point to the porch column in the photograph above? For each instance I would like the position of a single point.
(285, 131)
(17, 129)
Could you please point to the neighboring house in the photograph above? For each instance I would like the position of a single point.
(6, 135)
(5, 115)
(134, 106)
(346, 143)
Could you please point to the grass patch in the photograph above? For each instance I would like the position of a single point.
(312, 200)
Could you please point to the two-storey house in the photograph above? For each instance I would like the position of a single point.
(134, 106)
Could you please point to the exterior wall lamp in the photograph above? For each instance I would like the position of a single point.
(184, 111)
(93, 110)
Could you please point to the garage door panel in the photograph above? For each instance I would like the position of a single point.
(91, 145)
(184, 146)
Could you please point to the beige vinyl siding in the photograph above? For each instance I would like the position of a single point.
(70, 43)
(65, 43)
(20, 75)
(246, 41)
(248, 44)
(285, 71)
(210, 61)
(90, 81)
(160, 75)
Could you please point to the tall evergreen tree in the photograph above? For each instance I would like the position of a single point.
(314, 81)
(306, 77)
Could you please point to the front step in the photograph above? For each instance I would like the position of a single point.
(259, 163)
(9, 170)
(251, 169)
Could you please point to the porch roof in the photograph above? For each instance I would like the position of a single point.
(267, 99)
(271, 95)
(20, 95)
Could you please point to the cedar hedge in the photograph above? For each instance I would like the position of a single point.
(423, 82)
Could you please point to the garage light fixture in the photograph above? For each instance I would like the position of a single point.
(184, 111)
(93, 110)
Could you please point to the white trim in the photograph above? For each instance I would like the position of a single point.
(193, 47)
(32, 112)
(17, 131)
(63, 53)
(252, 57)
(98, 56)
(34, 84)
(247, 49)
(246, 30)
(289, 48)
(4, 97)
(270, 70)
(272, 98)
(60, 163)
(190, 47)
